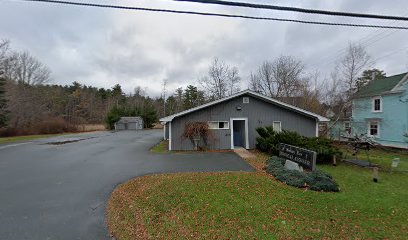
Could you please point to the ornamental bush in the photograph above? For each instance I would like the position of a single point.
(269, 140)
(316, 180)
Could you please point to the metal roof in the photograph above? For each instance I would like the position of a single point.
(130, 119)
(251, 93)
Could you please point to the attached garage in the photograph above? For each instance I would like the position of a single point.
(129, 123)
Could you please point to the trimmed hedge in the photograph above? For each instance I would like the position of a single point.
(269, 140)
(316, 180)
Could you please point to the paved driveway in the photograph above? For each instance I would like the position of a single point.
(59, 191)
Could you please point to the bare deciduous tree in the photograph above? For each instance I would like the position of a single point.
(4, 50)
(263, 81)
(288, 73)
(280, 78)
(29, 70)
(351, 67)
(233, 81)
(221, 80)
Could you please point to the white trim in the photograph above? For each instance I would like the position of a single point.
(169, 136)
(280, 125)
(369, 129)
(254, 94)
(246, 131)
(245, 100)
(399, 85)
(227, 122)
(317, 129)
(164, 132)
(373, 104)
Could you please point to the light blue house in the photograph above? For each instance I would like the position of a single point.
(380, 111)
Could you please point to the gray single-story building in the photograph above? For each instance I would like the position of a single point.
(129, 123)
(233, 121)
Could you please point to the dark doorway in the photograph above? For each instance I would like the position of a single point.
(239, 133)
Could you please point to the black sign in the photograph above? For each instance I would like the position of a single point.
(303, 157)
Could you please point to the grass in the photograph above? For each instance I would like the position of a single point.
(25, 138)
(161, 147)
(255, 206)
(382, 157)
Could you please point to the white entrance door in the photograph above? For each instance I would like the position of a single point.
(241, 128)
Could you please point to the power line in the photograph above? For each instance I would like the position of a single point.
(366, 41)
(84, 4)
(295, 9)
(391, 53)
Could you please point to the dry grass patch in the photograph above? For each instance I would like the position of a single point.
(259, 162)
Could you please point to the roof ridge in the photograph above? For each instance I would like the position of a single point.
(247, 91)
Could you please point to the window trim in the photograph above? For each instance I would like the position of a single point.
(246, 132)
(373, 104)
(245, 98)
(369, 129)
(218, 128)
(347, 129)
(280, 125)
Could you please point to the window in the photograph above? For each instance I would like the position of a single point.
(245, 99)
(277, 126)
(218, 125)
(373, 129)
(377, 104)
(347, 127)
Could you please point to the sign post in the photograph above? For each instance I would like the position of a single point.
(301, 156)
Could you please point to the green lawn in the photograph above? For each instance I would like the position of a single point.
(161, 147)
(255, 206)
(25, 138)
(382, 157)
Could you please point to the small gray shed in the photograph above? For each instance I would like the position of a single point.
(233, 121)
(129, 123)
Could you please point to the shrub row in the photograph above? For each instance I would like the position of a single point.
(50, 126)
(268, 141)
(316, 180)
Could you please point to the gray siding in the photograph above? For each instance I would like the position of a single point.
(258, 112)
(119, 126)
(166, 131)
(132, 123)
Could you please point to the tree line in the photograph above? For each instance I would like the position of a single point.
(30, 104)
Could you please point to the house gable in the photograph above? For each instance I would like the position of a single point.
(383, 86)
(252, 94)
(257, 112)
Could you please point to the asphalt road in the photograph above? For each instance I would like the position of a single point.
(59, 191)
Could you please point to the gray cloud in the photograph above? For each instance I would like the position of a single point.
(103, 47)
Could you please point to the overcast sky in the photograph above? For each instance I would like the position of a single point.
(103, 47)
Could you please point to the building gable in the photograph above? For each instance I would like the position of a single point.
(252, 94)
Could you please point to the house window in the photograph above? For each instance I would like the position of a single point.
(245, 99)
(218, 125)
(377, 104)
(347, 127)
(373, 129)
(277, 126)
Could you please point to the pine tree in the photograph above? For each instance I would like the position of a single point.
(192, 97)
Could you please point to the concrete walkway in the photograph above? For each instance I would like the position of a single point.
(243, 153)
